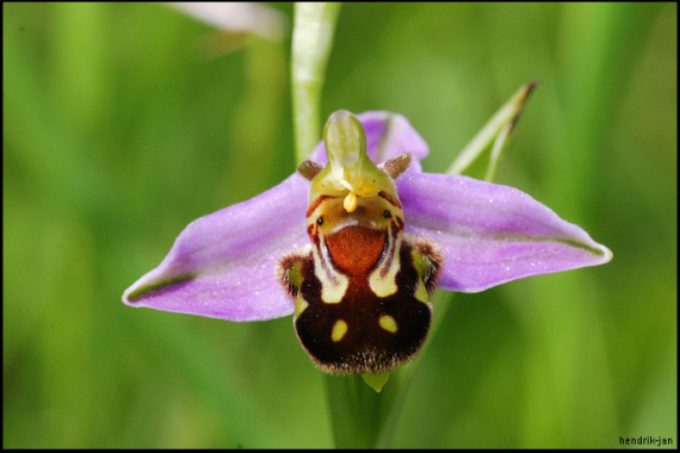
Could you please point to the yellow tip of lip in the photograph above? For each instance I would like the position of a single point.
(350, 202)
(376, 381)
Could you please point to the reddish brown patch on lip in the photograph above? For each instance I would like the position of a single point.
(315, 204)
(356, 250)
(393, 201)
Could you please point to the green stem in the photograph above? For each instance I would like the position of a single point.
(354, 411)
(361, 417)
(312, 40)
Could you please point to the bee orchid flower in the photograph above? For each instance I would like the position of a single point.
(354, 243)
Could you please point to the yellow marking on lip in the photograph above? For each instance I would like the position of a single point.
(388, 323)
(383, 286)
(421, 292)
(333, 284)
(300, 305)
(339, 330)
(333, 294)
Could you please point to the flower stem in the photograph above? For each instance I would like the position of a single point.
(361, 417)
(312, 40)
(354, 409)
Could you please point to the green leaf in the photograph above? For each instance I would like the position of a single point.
(494, 134)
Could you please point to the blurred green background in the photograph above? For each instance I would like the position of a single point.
(118, 132)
